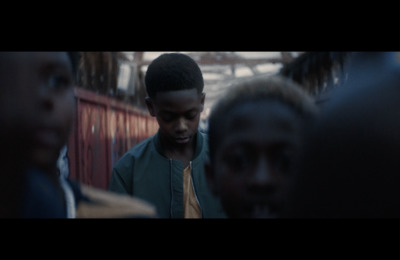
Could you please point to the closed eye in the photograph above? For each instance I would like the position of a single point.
(191, 115)
(238, 159)
(57, 82)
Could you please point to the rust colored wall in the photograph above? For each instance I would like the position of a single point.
(104, 130)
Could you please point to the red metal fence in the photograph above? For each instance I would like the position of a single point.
(104, 130)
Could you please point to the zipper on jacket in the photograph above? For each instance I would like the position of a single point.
(194, 189)
(172, 191)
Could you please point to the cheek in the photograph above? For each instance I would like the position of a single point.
(193, 125)
(171, 127)
(231, 189)
(66, 110)
(164, 126)
(230, 184)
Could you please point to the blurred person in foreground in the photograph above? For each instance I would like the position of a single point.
(37, 110)
(351, 166)
(255, 137)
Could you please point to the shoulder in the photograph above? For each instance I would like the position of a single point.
(204, 140)
(204, 135)
(201, 145)
(139, 150)
(142, 146)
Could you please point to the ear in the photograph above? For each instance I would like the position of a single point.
(210, 177)
(203, 98)
(150, 106)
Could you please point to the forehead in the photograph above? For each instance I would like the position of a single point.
(21, 71)
(34, 58)
(261, 122)
(18, 67)
(177, 99)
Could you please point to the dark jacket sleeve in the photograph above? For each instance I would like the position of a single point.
(122, 176)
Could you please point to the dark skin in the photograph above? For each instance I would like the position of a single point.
(350, 168)
(178, 115)
(55, 108)
(254, 160)
(43, 101)
(36, 114)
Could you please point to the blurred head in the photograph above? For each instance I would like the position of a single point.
(37, 104)
(174, 85)
(255, 135)
(350, 166)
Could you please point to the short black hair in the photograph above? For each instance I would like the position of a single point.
(173, 71)
(259, 88)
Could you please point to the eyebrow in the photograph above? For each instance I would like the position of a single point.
(54, 65)
(247, 139)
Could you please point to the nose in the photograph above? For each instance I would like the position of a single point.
(46, 99)
(48, 104)
(263, 177)
(181, 125)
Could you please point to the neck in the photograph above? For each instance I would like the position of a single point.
(184, 153)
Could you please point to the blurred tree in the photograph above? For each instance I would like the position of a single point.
(316, 71)
(99, 71)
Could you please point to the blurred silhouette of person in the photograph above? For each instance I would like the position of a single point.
(37, 110)
(167, 169)
(350, 168)
(255, 135)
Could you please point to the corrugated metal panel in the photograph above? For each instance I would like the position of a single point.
(104, 130)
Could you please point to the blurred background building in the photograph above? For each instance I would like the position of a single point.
(111, 112)
(121, 74)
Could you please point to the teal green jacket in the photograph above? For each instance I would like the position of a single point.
(145, 173)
